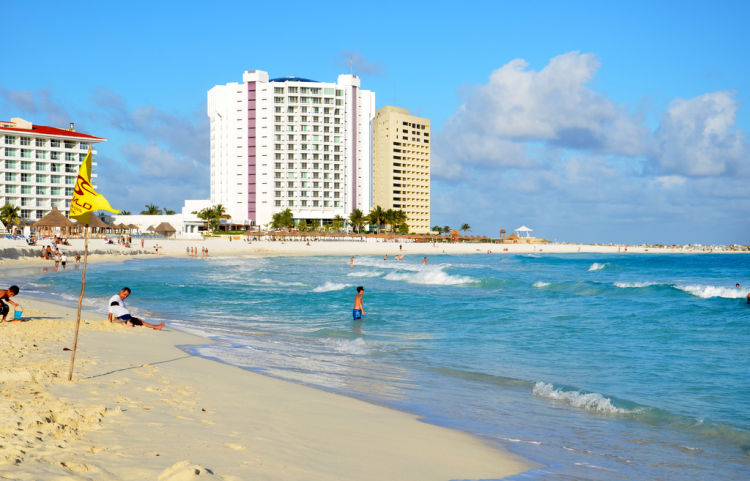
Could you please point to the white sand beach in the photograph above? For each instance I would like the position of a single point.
(140, 408)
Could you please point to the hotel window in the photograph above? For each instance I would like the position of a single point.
(41, 154)
(10, 140)
(10, 189)
(26, 189)
(290, 175)
(55, 190)
(277, 203)
(277, 110)
(81, 157)
(41, 166)
(39, 142)
(84, 146)
(25, 141)
(41, 179)
(290, 203)
(26, 153)
(10, 152)
(70, 180)
(316, 203)
(40, 190)
(71, 169)
(10, 177)
(303, 203)
(278, 90)
(69, 144)
(68, 191)
(55, 179)
(70, 157)
(55, 143)
(26, 165)
(54, 167)
(54, 155)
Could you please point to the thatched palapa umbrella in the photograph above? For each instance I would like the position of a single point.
(165, 229)
(54, 220)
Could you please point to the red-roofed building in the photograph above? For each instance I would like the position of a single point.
(39, 166)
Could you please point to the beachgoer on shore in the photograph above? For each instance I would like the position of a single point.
(359, 309)
(63, 260)
(78, 258)
(118, 310)
(5, 295)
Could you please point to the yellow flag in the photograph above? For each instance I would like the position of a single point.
(85, 199)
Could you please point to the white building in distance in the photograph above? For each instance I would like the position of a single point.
(39, 166)
(290, 143)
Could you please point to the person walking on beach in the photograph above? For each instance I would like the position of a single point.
(5, 295)
(119, 311)
(359, 309)
(63, 260)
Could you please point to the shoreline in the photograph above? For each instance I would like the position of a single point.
(16, 252)
(131, 383)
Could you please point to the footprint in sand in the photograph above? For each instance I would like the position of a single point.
(184, 471)
(236, 447)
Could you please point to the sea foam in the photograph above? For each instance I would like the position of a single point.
(596, 266)
(330, 286)
(633, 285)
(429, 277)
(591, 402)
(540, 284)
(707, 292)
(365, 274)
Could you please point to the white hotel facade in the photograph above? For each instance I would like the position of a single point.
(39, 166)
(290, 143)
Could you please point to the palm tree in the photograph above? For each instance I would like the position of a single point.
(400, 220)
(169, 211)
(151, 209)
(390, 219)
(211, 215)
(377, 217)
(9, 215)
(125, 212)
(446, 229)
(465, 228)
(357, 219)
(437, 229)
(338, 222)
(284, 218)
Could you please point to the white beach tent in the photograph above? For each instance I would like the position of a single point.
(522, 229)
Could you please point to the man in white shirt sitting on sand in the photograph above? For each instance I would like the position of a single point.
(118, 310)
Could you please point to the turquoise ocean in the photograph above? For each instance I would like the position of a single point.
(598, 367)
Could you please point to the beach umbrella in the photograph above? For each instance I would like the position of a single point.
(165, 229)
(54, 219)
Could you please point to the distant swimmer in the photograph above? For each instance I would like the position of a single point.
(737, 285)
(385, 257)
(359, 309)
(351, 262)
(424, 261)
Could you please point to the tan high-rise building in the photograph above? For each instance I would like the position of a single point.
(401, 165)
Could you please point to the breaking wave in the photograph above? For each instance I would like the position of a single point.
(707, 292)
(330, 286)
(596, 266)
(590, 402)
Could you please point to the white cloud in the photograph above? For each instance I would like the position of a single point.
(697, 137)
(542, 148)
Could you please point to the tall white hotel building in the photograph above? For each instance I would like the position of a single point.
(290, 143)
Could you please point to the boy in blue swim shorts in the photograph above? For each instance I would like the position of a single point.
(359, 310)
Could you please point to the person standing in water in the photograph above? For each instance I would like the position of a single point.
(359, 309)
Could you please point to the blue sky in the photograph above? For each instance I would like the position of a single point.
(588, 121)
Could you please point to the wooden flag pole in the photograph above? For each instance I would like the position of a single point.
(80, 298)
